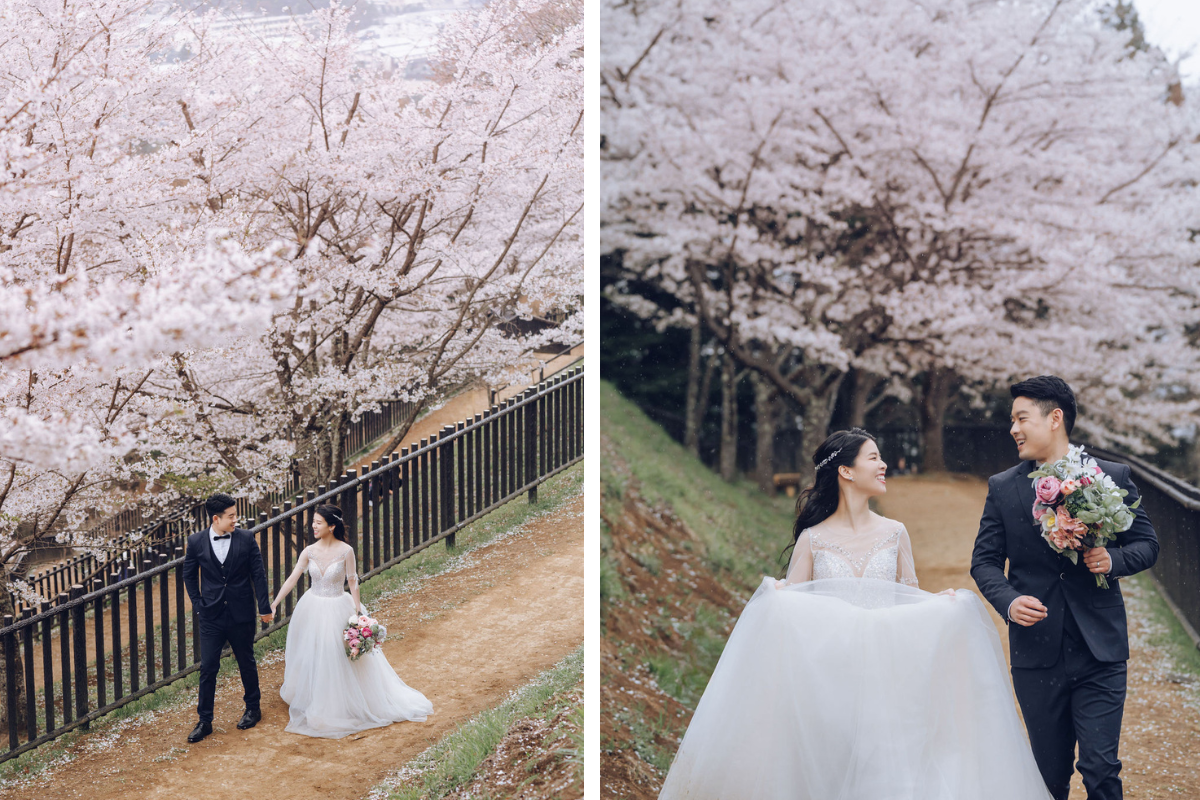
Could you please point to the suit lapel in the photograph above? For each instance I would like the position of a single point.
(213, 563)
(1025, 493)
(234, 549)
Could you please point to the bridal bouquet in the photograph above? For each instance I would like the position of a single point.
(361, 635)
(1078, 506)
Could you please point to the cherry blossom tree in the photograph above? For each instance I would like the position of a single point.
(217, 249)
(948, 193)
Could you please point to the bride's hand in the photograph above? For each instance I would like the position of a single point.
(948, 593)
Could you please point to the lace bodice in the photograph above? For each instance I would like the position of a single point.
(832, 561)
(329, 576)
(819, 555)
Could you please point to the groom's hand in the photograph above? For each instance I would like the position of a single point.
(1026, 610)
(1098, 560)
(268, 617)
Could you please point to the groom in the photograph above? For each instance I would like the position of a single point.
(224, 575)
(1069, 644)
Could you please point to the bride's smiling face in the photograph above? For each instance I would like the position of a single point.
(320, 528)
(868, 474)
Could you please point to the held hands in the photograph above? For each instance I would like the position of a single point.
(1026, 610)
(268, 617)
(1098, 560)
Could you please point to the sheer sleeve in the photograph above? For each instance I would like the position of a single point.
(800, 569)
(351, 569)
(906, 569)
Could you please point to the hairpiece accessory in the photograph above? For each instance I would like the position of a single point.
(831, 457)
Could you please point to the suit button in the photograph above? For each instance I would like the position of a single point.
(1062, 576)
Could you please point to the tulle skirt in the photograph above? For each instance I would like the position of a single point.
(857, 689)
(330, 696)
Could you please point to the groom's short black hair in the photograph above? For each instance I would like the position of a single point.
(217, 504)
(1048, 392)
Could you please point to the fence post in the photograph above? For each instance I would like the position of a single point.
(10, 685)
(461, 449)
(79, 634)
(531, 439)
(349, 503)
(180, 619)
(446, 483)
(64, 660)
(30, 678)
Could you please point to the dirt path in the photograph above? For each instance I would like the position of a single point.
(466, 404)
(465, 638)
(1160, 734)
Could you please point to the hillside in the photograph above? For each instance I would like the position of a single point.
(681, 552)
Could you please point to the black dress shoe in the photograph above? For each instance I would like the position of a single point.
(201, 730)
(249, 719)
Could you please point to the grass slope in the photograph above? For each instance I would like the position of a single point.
(742, 530)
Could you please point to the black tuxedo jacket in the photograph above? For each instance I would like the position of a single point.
(1008, 530)
(234, 589)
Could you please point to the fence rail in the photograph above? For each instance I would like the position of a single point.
(62, 670)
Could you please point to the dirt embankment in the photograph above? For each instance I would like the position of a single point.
(665, 586)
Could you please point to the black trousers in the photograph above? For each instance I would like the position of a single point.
(214, 634)
(1078, 699)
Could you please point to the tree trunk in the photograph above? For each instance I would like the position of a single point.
(323, 457)
(940, 384)
(766, 421)
(861, 386)
(691, 432)
(6, 608)
(729, 421)
(817, 415)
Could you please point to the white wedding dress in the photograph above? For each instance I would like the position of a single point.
(847, 682)
(328, 695)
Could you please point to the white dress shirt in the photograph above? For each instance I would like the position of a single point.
(221, 548)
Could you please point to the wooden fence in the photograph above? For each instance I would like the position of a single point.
(107, 646)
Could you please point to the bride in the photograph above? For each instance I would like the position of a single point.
(329, 695)
(845, 681)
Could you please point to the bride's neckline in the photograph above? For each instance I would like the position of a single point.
(333, 560)
(888, 529)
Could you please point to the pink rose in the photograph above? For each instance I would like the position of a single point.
(1048, 489)
(1069, 486)
(1070, 526)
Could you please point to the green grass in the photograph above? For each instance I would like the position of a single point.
(1165, 631)
(455, 759)
(743, 531)
(685, 679)
(646, 730)
(405, 575)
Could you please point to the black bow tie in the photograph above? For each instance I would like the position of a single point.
(219, 538)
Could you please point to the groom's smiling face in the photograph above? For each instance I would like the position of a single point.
(1036, 430)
